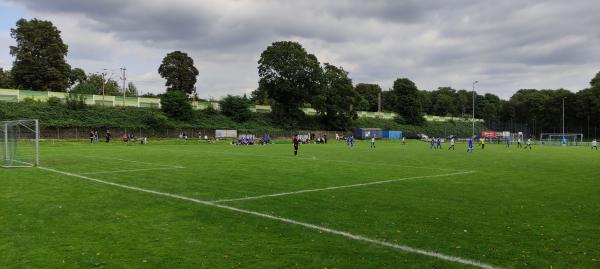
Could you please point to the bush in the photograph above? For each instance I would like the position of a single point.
(236, 107)
(176, 105)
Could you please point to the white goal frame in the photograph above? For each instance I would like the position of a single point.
(556, 138)
(11, 140)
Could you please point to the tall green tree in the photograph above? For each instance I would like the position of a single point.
(595, 82)
(77, 76)
(93, 85)
(39, 56)
(179, 71)
(369, 92)
(336, 103)
(290, 77)
(6, 80)
(177, 105)
(407, 102)
(236, 107)
(131, 89)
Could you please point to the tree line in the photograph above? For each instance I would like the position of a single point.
(290, 79)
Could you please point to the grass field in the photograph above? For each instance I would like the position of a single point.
(190, 205)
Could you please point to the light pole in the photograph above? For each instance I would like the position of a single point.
(563, 119)
(104, 81)
(473, 119)
(124, 79)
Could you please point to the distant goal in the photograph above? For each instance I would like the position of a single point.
(561, 139)
(20, 143)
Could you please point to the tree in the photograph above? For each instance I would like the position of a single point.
(93, 85)
(336, 103)
(236, 107)
(131, 89)
(77, 76)
(179, 71)
(39, 56)
(369, 92)
(177, 105)
(260, 96)
(444, 102)
(290, 77)
(407, 101)
(6, 80)
(595, 82)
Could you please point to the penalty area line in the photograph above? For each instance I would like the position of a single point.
(348, 235)
(132, 170)
(338, 187)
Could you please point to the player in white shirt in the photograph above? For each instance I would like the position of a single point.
(528, 145)
(403, 140)
(373, 142)
(595, 144)
(451, 144)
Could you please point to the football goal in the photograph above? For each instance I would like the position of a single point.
(20, 143)
(561, 139)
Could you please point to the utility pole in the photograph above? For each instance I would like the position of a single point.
(103, 83)
(563, 117)
(124, 79)
(473, 119)
(379, 102)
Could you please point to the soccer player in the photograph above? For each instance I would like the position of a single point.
(107, 136)
(451, 144)
(483, 142)
(528, 143)
(439, 143)
(519, 142)
(508, 142)
(470, 145)
(91, 136)
(373, 142)
(296, 143)
(432, 143)
(403, 140)
(595, 144)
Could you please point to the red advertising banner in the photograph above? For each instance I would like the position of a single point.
(488, 134)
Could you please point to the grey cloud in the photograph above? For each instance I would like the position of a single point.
(509, 43)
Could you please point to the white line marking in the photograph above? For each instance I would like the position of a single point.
(338, 187)
(133, 161)
(131, 170)
(290, 221)
(313, 158)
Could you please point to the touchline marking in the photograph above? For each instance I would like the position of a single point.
(338, 187)
(290, 221)
(132, 170)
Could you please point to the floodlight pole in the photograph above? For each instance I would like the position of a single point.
(563, 117)
(473, 119)
(124, 79)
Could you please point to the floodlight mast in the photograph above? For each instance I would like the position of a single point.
(473, 119)
(563, 117)
(124, 79)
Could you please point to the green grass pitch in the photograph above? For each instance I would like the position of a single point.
(196, 205)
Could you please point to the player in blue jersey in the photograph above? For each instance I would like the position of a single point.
(432, 143)
(470, 146)
(439, 143)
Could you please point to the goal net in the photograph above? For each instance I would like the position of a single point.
(561, 139)
(20, 143)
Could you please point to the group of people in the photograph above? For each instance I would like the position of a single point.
(94, 137)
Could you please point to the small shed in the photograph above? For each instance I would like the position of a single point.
(367, 133)
(390, 134)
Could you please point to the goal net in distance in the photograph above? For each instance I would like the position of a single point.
(20, 143)
(561, 139)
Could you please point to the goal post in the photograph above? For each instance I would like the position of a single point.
(561, 139)
(20, 143)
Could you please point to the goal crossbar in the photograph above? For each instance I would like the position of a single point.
(20, 143)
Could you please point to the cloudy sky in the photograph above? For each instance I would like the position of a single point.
(506, 45)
